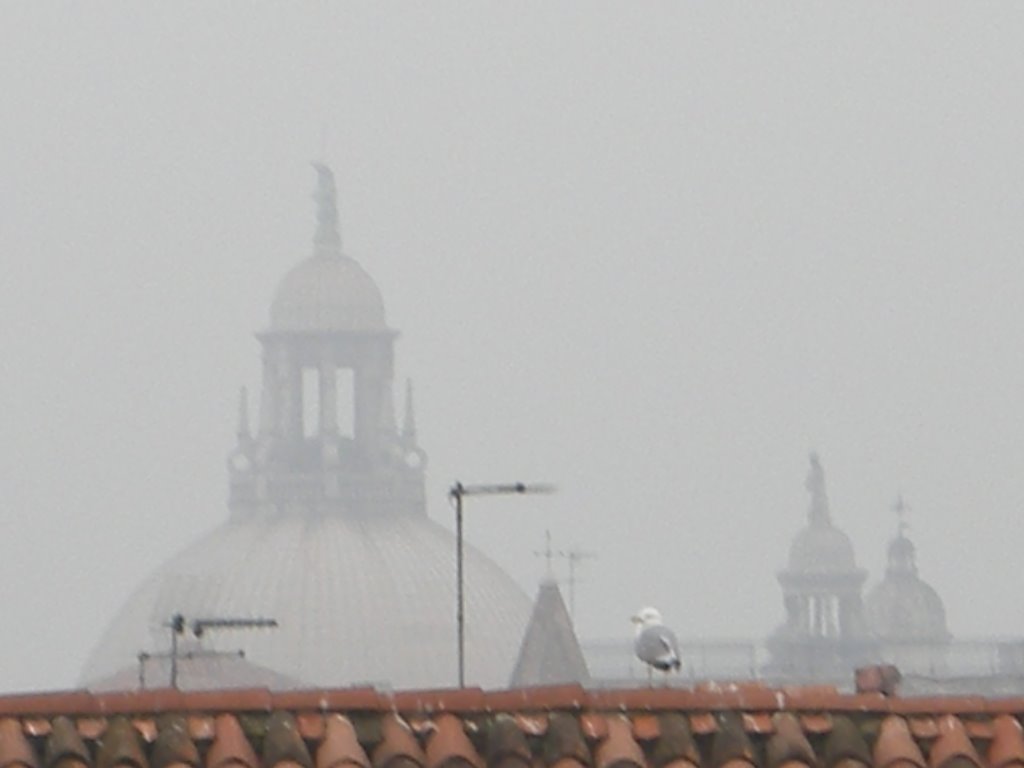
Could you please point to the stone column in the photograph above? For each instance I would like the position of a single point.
(328, 398)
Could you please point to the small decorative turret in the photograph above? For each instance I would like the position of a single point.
(244, 433)
(409, 417)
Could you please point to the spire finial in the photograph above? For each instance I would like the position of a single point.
(901, 508)
(901, 549)
(409, 417)
(328, 238)
(815, 483)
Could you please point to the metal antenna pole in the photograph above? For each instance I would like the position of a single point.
(548, 554)
(456, 492)
(460, 614)
(574, 556)
(177, 627)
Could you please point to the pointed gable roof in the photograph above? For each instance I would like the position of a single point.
(550, 653)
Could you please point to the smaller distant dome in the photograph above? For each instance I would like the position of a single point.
(906, 608)
(327, 293)
(903, 606)
(820, 547)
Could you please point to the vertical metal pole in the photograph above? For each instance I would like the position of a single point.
(459, 611)
(174, 655)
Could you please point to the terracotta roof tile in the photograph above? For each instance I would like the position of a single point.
(758, 722)
(730, 744)
(788, 745)
(952, 745)
(14, 747)
(235, 700)
(715, 726)
(737, 696)
(896, 746)
(978, 730)
(340, 748)
(816, 722)
(145, 727)
(398, 747)
(230, 748)
(449, 747)
(201, 727)
(448, 700)
(49, 704)
(121, 746)
(36, 726)
(283, 744)
(923, 727)
(1007, 747)
(619, 749)
(150, 700)
(64, 744)
(320, 700)
(538, 699)
(646, 727)
(506, 744)
(174, 745)
(594, 726)
(703, 723)
(564, 739)
(845, 745)
(311, 725)
(675, 743)
(532, 725)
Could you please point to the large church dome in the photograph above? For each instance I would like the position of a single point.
(357, 599)
(328, 533)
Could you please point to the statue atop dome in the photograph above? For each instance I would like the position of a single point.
(815, 483)
(328, 238)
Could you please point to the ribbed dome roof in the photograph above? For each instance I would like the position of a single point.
(358, 599)
(820, 547)
(906, 608)
(327, 293)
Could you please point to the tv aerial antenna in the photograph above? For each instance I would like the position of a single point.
(177, 624)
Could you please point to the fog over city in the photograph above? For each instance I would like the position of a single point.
(652, 253)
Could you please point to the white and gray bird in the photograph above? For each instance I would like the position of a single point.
(655, 644)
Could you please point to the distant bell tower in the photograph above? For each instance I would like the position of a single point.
(327, 440)
(824, 636)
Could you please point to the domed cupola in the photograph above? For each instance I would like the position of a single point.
(329, 291)
(903, 608)
(824, 633)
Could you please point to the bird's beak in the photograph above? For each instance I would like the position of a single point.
(635, 619)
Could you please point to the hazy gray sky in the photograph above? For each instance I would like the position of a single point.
(651, 252)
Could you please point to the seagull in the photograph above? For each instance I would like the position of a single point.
(655, 644)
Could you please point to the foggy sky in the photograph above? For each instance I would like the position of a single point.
(651, 252)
